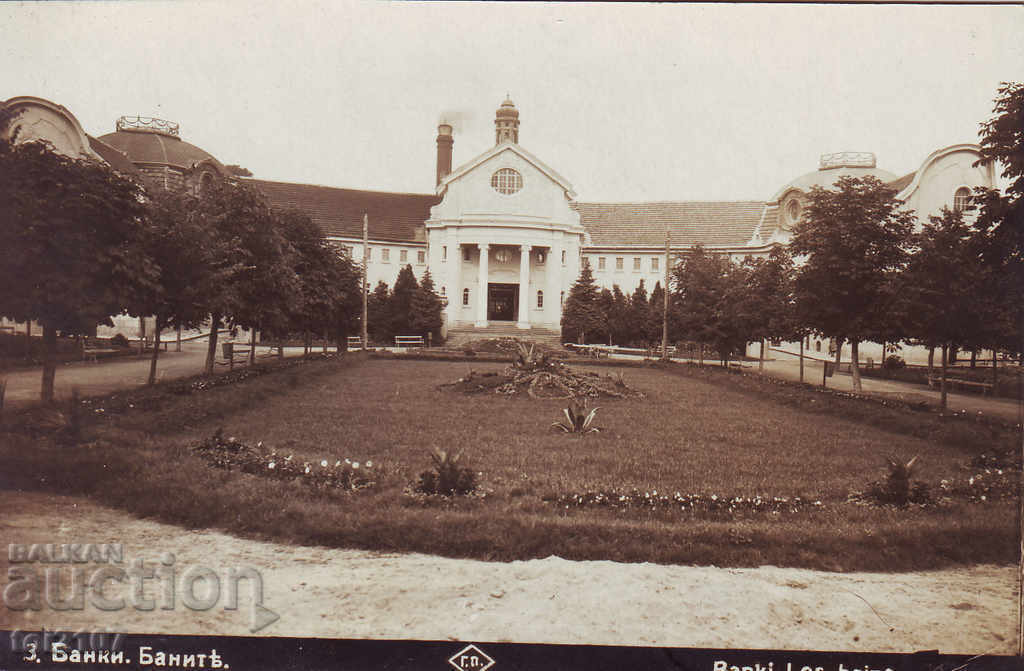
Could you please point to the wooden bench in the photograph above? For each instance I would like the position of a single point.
(231, 353)
(985, 387)
(409, 341)
(355, 342)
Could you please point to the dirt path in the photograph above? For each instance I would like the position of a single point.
(328, 593)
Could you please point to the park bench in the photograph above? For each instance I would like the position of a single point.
(985, 387)
(409, 341)
(231, 353)
(355, 342)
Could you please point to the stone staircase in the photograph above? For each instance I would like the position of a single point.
(463, 332)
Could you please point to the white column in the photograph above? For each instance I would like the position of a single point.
(454, 288)
(524, 287)
(481, 299)
(551, 295)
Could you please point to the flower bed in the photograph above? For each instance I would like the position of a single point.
(232, 454)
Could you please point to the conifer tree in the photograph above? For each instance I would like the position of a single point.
(426, 309)
(580, 315)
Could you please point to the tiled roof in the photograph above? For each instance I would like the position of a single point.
(770, 223)
(902, 182)
(116, 159)
(339, 212)
(690, 222)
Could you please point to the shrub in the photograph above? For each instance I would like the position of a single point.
(898, 488)
(893, 362)
(448, 478)
(119, 341)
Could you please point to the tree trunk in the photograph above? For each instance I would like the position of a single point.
(280, 347)
(995, 371)
(931, 360)
(700, 354)
(252, 346)
(177, 344)
(28, 340)
(325, 341)
(760, 358)
(801, 360)
(942, 382)
(211, 351)
(49, 362)
(854, 368)
(157, 328)
(839, 355)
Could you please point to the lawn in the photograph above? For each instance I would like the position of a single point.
(689, 439)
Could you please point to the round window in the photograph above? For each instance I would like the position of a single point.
(793, 211)
(506, 181)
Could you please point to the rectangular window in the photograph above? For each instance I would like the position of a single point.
(600, 263)
(444, 253)
(618, 263)
(563, 257)
(654, 263)
(636, 263)
(369, 254)
(385, 255)
(540, 300)
(403, 255)
(467, 255)
(421, 257)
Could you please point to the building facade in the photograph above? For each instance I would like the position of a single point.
(503, 234)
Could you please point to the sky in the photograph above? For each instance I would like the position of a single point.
(632, 102)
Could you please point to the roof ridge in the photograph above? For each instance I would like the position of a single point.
(664, 202)
(340, 188)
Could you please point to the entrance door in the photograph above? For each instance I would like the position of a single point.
(502, 302)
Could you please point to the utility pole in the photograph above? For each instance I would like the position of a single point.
(366, 269)
(664, 306)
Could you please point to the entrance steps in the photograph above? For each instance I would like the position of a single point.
(461, 333)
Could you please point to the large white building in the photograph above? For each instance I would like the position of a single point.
(503, 234)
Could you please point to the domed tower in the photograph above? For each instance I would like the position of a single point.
(164, 159)
(506, 123)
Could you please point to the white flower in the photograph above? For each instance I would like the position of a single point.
(971, 481)
(369, 464)
(355, 464)
(307, 468)
(347, 461)
(982, 497)
(231, 439)
(337, 463)
(259, 444)
(271, 465)
(323, 463)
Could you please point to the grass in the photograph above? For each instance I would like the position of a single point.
(698, 435)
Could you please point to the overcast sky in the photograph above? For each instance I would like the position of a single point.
(628, 102)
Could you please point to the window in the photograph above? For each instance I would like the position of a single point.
(540, 258)
(506, 181)
(403, 256)
(467, 255)
(636, 263)
(540, 299)
(793, 211)
(443, 293)
(502, 256)
(962, 199)
(618, 263)
(561, 298)
(385, 255)
(465, 296)
(421, 257)
(563, 257)
(369, 254)
(600, 263)
(817, 345)
(654, 263)
(444, 253)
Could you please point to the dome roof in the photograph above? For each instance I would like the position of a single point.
(150, 145)
(834, 166)
(508, 109)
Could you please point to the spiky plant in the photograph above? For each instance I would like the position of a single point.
(898, 480)
(448, 477)
(578, 420)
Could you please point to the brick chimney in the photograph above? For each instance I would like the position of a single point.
(444, 151)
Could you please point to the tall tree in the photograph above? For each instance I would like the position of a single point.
(854, 240)
(709, 290)
(68, 230)
(401, 301)
(426, 309)
(580, 315)
(1000, 220)
(639, 313)
(655, 312)
(379, 313)
(946, 281)
(769, 298)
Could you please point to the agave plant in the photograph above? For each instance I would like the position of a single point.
(448, 477)
(578, 420)
(898, 481)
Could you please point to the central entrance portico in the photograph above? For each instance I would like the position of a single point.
(502, 302)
